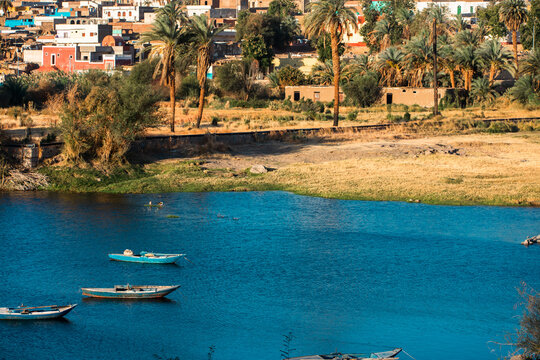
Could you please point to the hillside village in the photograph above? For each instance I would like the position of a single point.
(77, 36)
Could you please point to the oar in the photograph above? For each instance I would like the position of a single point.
(188, 260)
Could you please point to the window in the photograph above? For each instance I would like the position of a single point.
(119, 14)
(296, 96)
(53, 59)
(389, 98)
(83, 34)
(130, 13)
(109, 13)
(316, 96)
(124, 13)
(85, 57)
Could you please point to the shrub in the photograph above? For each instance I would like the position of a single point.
(351, 116)
(363, 90)
(524, 91)
(502, 127)
(100, 126)
(189, 87)
(454, 98)
(290, 76)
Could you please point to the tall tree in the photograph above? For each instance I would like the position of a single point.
(167, 37)
(513, 13)
(467, 61)
(419, 59)
(390, 65)
(531, 66)
(495, 58)
(202, 33)
(333, 17)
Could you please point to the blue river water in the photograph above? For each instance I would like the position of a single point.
(352, 276)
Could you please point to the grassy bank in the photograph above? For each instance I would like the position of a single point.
(495, 169)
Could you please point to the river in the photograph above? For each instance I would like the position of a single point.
(352, 276)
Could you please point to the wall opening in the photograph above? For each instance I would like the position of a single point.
(389, 98)
(296, 96)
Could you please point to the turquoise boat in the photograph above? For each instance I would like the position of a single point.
(35, 313)
(130, 291)
(146, 257)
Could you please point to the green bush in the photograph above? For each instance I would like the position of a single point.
(524, 91)
(189, 88)
(363, 90)
(351, 116)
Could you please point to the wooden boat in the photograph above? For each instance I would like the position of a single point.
(35, 313)
(130, 291)
(146, 257)
(339, 356)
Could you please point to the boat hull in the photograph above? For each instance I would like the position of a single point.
(112, 294)
(146, 260)
(46, 315)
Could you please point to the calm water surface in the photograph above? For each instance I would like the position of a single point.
(348, 275)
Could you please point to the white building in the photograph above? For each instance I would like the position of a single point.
(454, 7)
(87, 34)
(198, 10)
(125, 13)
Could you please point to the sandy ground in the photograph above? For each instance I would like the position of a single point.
(276, 154)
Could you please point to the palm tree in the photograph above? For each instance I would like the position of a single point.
(495, 57)
(405, 18)
(513, 13)
(458, 24)
(447, 62)
(464, 38)
(5, 5)
(419, 59)
(381, 34)
(167, 38)
(482, 91)
(331, 17)
(390, 66)
(467, 61)
(323, 73)
(202, 34)
(531, 66)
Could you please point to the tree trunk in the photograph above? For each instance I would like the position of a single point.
(172, 88)
(491, 74)
(337, 74)
(452, 79)
(514, 43)
(201, 102)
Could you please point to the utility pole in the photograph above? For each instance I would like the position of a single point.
(435, 80)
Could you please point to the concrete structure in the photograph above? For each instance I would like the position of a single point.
(316, 93)
(410, 96)
(398, 95)
(464, 8)
(77, 58)
(33, 56)
(69, 34)
(125, 13)
(302, 63)
(198, 10)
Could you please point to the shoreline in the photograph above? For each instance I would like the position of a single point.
(455, 170)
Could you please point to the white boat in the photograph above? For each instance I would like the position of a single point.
(35, 313)
(339, 356)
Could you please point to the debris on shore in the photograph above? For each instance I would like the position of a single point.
(531, 240)
(21, 180)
